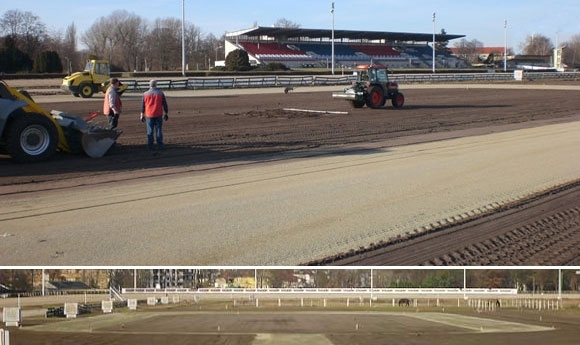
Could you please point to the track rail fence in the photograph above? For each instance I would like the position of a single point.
(292, 81)
(441, 291)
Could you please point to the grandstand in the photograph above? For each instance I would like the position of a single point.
(297, 47)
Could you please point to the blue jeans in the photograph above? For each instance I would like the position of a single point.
(155, 125)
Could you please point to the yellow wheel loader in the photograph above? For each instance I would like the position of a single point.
(28, 133)
(94, 79)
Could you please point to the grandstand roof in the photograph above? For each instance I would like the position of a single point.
(286, 33)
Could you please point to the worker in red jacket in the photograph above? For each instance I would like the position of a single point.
(154, 111)
(112, 105)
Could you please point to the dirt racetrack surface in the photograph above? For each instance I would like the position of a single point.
(314, 327)
(231, 128)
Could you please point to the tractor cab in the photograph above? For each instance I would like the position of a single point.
(372, 75)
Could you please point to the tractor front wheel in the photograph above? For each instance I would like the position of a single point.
(375, 97)
(31, 138)
(358, 104)
(86, 90)
(398, 100)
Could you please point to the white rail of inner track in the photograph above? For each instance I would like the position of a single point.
(429, 291)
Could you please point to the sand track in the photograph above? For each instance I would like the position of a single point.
(223, 129)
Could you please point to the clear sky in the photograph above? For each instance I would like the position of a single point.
(482, 20)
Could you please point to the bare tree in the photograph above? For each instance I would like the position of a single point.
(571, 52)
(467, 50)
(285, 23)
(130, 31)
(66, 46)
(26, 29)
(537, 45)
(192, 44)
(97, 38)
(164, 44)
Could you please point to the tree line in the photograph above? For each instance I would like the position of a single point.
(128, 41)
(525, 280)
(534, 45)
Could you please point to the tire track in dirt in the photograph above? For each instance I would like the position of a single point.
(543, 229)
(532, 244)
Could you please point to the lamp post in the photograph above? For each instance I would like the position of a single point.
(372, 285)
(433, 42)
(216, 51)
(559, 284)
(505, 45)
(332, 40)
(183, 38)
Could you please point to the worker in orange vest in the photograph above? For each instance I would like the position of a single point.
(154, 111)
(112, 105)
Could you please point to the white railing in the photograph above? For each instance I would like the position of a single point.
(441, 291)
(273, 81)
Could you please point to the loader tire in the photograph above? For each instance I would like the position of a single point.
(86, 90)
(31, 138)
(398, 100)
(375, 98)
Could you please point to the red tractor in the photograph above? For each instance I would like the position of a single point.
(372, 87)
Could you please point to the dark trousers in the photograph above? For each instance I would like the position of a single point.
(113, 120)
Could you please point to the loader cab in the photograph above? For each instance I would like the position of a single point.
(100, 70)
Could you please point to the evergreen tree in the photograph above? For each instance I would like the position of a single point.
(238, 60)
(12, 59)
(47, 62)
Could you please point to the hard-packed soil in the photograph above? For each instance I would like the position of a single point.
(318, 327)
(230, 127)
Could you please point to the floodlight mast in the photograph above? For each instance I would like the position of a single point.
(505, 45)
(433, 42)
(183, 38)
(332, 40)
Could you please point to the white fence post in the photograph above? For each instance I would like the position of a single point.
(4, 337)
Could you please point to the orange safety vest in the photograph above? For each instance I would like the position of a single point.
(107, 108)
(153, 103)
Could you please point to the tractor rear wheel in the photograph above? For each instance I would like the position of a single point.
(398, 100)
(31, 138)
(375, 98)
(86, 90)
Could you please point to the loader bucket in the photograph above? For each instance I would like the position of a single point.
(98, 141)
(93, 140)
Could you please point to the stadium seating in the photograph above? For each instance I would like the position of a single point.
(267, 49)
(376, 50)
(319, 54)
(269, 52)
